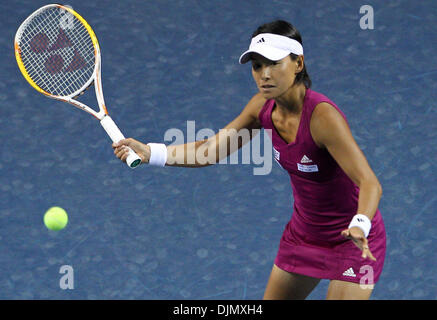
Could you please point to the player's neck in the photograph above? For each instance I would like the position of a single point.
(291, 102)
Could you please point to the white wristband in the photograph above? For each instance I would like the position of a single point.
(158, 154)
(361, 221)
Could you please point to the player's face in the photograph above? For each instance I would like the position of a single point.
(274, 78)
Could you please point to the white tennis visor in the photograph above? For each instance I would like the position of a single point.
(272, 46)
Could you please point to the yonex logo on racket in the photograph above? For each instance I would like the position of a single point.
(54, 63)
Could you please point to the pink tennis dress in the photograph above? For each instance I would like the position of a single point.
(325, 200)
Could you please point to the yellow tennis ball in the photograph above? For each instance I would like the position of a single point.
(55, 218)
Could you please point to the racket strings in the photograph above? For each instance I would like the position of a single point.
(57, 52)
(39, 73)
(33, 67)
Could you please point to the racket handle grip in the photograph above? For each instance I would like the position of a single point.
(133, 160)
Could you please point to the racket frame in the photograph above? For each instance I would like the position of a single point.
(102, 115)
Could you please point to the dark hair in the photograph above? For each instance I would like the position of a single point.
(286, 29)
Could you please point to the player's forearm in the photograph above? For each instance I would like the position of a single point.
(205, 152)
(369, 197)
(188, 155)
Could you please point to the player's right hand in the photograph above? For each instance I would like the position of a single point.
(121, 151)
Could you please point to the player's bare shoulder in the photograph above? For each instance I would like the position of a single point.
(326, 120)
(254, 107)
(325, 114)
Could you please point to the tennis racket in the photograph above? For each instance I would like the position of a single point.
(58, 54)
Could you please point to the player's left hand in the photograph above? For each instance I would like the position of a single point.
(357, 236)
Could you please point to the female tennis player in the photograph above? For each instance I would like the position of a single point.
(336, 231)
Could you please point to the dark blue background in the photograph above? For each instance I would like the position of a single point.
(212, 233)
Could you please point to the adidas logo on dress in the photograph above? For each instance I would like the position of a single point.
(305, 159)
(276, 154)
(349, 273)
